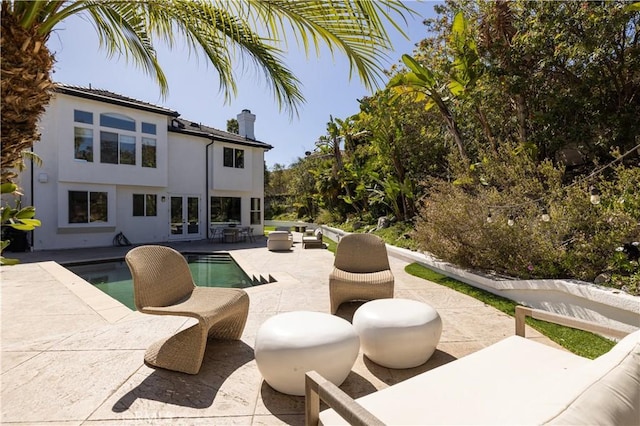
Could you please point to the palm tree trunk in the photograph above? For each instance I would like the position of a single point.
(26, 89)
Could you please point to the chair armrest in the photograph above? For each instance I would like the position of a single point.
(523, 311)
(318, 388)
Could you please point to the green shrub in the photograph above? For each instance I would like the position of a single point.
(327, 217)
(579, 241)
(399, 235)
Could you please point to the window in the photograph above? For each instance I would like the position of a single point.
(255, 211)
(83, 144)
(117, 149)
(239, 159)
(82, 116)
(148, 128)
(117, 121)
(148, 152)
(233, 158)
(127, 149)
(109, 147)
(145, 205)
(228, 157)
(87, 207)
(225, 209)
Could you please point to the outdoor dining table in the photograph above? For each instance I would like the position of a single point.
(230, 235)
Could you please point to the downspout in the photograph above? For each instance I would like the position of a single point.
(207, 200)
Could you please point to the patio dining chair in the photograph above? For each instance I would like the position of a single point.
(163, 285)
(216, 233)
(360, 270)
(246, 234)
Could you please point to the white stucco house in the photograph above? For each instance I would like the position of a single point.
(114, 164)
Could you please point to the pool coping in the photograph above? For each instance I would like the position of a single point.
(109, 308)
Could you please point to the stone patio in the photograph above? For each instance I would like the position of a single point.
(71, 355)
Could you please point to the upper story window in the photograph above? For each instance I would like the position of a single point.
(233, 158)
(82, 116)
(83, 136)
(148, 128)
(117, 121)
(117, 149)
(148, 152)
(83, 144)
(118, 146)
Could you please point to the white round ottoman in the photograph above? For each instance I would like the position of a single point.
(398, 333)
(290, 344)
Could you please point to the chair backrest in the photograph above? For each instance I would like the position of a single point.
(161, 276)
(278, 236)
(361, 253)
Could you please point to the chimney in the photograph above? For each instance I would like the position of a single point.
(245, 124)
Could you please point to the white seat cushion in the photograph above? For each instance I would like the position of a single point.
(496, 385)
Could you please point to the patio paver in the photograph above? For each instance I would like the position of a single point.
(73, 356)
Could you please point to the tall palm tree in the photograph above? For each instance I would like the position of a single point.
(219, 29)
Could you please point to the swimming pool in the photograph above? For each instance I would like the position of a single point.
(113, 277)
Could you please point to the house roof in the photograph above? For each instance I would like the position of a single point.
(112, 98)
(177, 125)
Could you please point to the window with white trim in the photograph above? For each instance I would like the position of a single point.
(256, 211)
(117, 148)
(117, 138)
(148, 152)
(225, 209)
(83, 136)
(88, 206)
(83, 144)
(233, 157)
(145, 205)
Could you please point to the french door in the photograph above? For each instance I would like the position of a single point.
(185, 217)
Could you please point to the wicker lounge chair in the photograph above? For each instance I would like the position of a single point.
(314, 240)
(360, 270)
(163, 285)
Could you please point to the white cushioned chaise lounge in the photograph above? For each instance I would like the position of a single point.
(513, 382)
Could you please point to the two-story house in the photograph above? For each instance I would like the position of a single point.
(113, 164)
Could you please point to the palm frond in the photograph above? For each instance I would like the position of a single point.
(208, 28)
(257, 30)
(354, 27)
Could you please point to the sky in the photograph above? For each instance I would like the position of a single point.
(194, 90)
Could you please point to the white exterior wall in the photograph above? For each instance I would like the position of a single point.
(245, 183)
(180, 171)
(72, 170)
(258, 186)
(61, 173)
(187, 176)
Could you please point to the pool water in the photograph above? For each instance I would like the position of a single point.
(208, 270)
